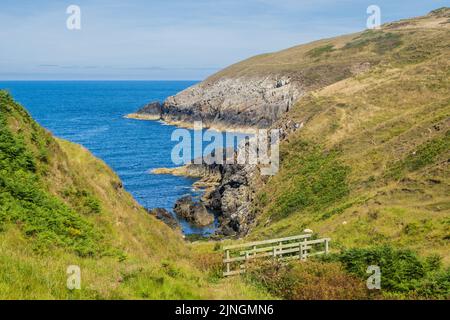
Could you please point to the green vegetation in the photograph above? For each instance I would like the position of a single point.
(60, 206)
(382, 42)
(404, 274)
(369, 169)
(317, 52)
(370, 165)
(315, 181)
(41, 216)
(311, 280)
(426, 154)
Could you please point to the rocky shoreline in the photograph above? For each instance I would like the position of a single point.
(228, 190)
(234, 105)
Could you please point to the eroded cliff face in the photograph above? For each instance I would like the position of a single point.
(234, 102)
(231, 189)
(261, 92)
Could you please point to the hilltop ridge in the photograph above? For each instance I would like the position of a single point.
(258, 91)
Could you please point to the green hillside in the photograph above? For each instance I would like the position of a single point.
(368, 168)
(61, 206)
(370, 165)
(327, 61)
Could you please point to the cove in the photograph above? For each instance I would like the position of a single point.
(91, 113)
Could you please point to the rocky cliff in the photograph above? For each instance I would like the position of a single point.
(267, 90)
(234, 102)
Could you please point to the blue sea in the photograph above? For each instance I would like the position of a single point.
(91, 113)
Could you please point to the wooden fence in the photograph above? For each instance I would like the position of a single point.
(295, 247)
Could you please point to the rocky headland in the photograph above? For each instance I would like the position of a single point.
(263, 91)
(227, 104)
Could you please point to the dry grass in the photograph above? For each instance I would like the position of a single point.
(309, 280)
(376, 121)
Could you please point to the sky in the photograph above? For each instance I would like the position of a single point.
(170, 39)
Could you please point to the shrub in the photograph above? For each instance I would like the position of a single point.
(309, 280)
(435, 285)
(402, 271)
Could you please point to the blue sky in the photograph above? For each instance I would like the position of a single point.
(171, 39)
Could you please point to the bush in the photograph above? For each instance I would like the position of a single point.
(435, 285)
(309, 280)
(402, 271)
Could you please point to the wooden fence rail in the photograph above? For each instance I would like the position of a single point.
(296, 247)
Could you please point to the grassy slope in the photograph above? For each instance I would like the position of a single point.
(371, 164)
(61, 206)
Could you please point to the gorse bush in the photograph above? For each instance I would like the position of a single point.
(24, 200)
(402, 271)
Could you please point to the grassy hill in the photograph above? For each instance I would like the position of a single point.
(326, 61)
(368, 168)
(61, 206)
(370, 165)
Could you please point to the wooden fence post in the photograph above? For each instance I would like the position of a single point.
(326, 246)
(227, 256)
(301, 251)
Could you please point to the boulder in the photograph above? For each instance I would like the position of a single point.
(164, 216)
(193, 211)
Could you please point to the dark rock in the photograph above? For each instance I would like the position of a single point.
(164, 216)
(193, 212)
(227, 231)
(153, 109)
(237, 102)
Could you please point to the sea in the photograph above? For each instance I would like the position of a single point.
(91, 113)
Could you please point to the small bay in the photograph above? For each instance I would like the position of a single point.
(91, 113)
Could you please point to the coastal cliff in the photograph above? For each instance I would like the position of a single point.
(234, 102)
(332, 90)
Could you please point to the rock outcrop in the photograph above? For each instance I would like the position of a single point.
(228, 191)
(193, 212)
(151, 111)
(233, 198)
(164, 216)
(233, 102)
